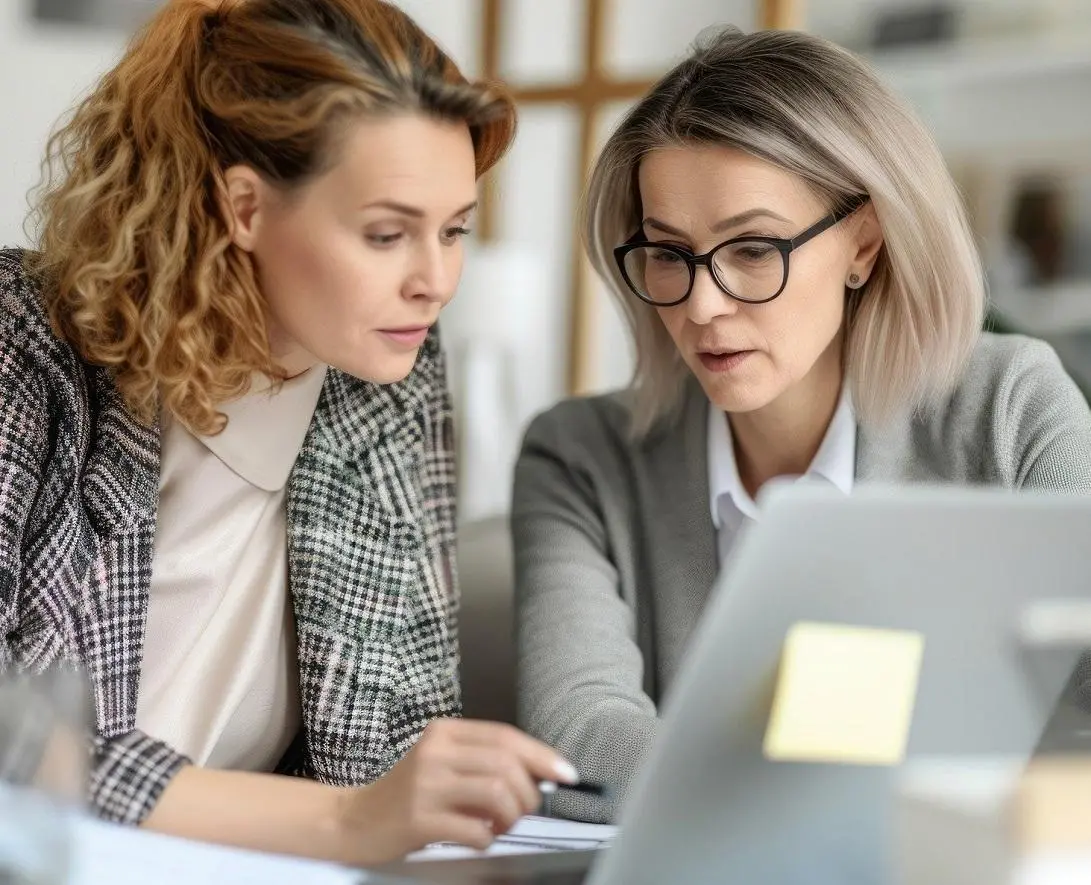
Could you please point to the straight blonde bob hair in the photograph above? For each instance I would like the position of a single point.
(819, 112)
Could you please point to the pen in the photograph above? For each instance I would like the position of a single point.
(550, 787)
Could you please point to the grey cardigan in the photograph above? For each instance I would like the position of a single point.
(615, 549)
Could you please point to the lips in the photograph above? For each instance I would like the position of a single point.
(720, 360)
(408, 336)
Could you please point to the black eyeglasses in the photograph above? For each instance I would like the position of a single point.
(749, 269)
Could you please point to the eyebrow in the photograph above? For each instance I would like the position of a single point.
(414, 211)
(719, 226)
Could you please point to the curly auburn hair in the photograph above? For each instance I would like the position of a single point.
(134, 255)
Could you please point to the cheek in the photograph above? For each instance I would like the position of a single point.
(313, 280)
(812, 306)
(288, 261)
(803, 329)
(674, 320)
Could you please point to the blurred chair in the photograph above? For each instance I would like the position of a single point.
(487, 624)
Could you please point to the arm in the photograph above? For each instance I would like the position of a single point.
(256, 811)
(24, 438)
(127, 773)
(463, 781)
(580, 668)
(1047, 423)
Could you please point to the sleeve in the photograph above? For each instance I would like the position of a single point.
(1047, 423)
(24, 439)
(127, 774)
(580, 667)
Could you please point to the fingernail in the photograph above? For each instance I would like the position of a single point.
(566, 772)
(547, 787)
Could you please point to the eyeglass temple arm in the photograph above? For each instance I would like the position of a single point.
(829, 221)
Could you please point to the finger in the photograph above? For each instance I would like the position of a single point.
(474, 760)
(464, 829)
(541, 761)
(486, 797)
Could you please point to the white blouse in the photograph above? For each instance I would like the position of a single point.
(219, 680)
(733, 510)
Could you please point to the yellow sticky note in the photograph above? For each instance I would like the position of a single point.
(844, 694)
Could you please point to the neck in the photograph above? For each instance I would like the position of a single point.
(783, 437)
(290, 357)
(295, 364)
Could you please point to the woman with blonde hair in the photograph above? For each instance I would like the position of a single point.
(226, 466)
(806, 301)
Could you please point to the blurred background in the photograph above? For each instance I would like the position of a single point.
(1004, 84)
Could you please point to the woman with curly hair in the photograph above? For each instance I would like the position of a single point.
(226, 467)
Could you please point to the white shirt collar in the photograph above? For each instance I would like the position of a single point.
(835, 461)
(265, 429)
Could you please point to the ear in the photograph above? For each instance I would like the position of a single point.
(244, 202)
(867, 238)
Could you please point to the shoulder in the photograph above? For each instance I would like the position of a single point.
(42, 377)
(20, 303)
(27, 340)
(587, 425)
(1013, 405)
(1010, 376)
(1001, 363)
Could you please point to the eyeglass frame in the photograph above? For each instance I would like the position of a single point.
(781, 244)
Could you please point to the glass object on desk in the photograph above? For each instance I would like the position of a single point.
(43, 773)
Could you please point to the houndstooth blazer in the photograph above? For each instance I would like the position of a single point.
(371, 530)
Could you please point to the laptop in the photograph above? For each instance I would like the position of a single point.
(962, 567)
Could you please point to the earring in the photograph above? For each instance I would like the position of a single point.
(854, 280)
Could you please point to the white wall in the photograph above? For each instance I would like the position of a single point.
(44, 70)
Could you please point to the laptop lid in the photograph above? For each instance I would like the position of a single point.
(958, 566)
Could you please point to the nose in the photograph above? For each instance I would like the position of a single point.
(707, 301)
(435, 273)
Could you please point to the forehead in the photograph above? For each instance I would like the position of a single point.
(718, 179)
(412, 158)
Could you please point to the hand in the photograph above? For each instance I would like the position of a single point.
(463, 782)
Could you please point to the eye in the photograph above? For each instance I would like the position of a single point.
(455, 233)
(754, 253)
(384, 239)
(665, 256)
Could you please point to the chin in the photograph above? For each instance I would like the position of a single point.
(736, 397)
(389, 371)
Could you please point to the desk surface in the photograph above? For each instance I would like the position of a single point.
(554, 868)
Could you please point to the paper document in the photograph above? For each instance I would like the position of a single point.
(108, 854)
(844, 694)
(530, 835)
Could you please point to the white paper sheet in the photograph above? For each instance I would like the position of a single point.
(105, 854)
(530, 835)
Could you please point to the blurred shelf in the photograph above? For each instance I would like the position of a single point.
(1014, 97)
(963, 62)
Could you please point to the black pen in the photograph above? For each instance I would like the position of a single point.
(550, 787)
